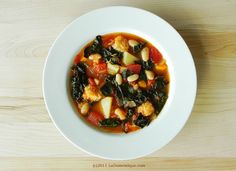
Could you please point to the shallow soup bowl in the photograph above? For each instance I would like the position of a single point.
(182, 86)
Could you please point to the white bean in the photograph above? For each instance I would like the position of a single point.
(118, 79)
(149, 74)
(145, 54)
(132, 43)
(133, 77)
(84, 108)
(131, 104)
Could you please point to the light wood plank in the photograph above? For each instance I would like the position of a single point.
(140, 164)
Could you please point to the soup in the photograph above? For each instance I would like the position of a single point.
(119, 82)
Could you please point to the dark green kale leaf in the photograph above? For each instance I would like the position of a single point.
(157, 93)
(130, 113)
(119, 95)
(126, 73)
(110, 122)
(142, 75)
(78, 81)
(111, 55)
(96, 47)
(142, 121)
(159, 100)
(112, 86)
(139, 47)
(146, 65)
(106, 89)
(160, 83)
(141, 97)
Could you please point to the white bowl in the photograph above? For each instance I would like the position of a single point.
(182, 91)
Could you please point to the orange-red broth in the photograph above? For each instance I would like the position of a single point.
(107, 41)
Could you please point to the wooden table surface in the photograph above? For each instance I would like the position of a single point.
(30, 141)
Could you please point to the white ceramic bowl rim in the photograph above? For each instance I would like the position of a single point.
(183, 82)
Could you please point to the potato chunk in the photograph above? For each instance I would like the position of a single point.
(146, 109)
(121, 44)
(106, 106)
(128, 58)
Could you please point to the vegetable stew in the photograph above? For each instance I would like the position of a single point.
(119, 82)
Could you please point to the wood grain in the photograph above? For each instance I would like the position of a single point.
(27, 30)
(90, 163)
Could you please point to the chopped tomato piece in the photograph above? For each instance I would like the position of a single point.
(97, 70)
(150, 83)
(155, 55)
(135, 68)
(106, 41)
(94, 118)
(92, 82)
(135, 116)
(113, 115)
(100, 68)
(90, 73)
